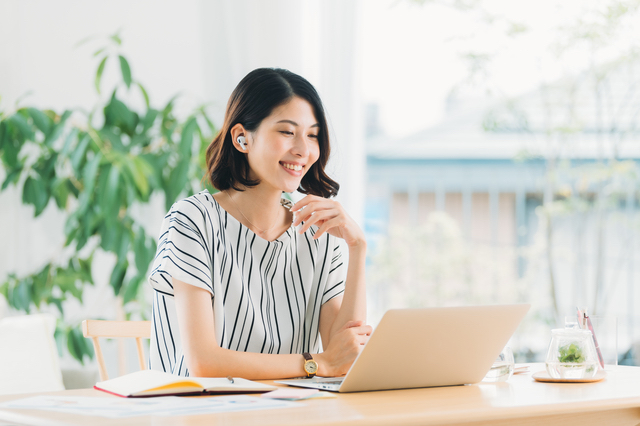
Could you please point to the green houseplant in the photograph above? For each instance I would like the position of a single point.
(94, 168)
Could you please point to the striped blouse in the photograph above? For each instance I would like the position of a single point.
(266, 296)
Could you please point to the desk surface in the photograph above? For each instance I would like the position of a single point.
(520, 401)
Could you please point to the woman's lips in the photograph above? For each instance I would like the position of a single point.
(291, 168)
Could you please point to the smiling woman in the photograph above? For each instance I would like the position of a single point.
(243, 286)
(260, 93)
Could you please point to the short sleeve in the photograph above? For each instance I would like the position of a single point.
(184, 248)
(337, 270)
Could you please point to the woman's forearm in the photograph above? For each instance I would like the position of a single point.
(213, 361)
(354, 301)
(221, 362)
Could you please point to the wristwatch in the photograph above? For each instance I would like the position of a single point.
(310, 366)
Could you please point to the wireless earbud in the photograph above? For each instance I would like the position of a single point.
(242, 143)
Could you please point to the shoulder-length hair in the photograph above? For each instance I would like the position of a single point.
(252, 101)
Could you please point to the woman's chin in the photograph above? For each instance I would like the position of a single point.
(290, 188)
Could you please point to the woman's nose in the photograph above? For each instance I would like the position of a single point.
(300, 146)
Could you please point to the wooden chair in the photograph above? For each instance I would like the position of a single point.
(95, 329)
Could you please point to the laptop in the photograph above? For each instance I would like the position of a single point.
(416, 348)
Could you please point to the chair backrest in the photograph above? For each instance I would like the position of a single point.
(94, 329)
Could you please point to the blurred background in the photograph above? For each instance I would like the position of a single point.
(489, 149)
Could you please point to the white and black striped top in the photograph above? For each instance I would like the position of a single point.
(266, 296)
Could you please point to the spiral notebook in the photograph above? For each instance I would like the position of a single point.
(147, 383)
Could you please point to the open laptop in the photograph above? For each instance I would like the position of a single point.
(415, 348)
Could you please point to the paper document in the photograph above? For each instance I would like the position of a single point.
(160, 406)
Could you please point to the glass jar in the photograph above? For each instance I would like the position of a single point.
(572, 354)
(502, 368)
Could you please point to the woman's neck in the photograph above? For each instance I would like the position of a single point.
(258, 209)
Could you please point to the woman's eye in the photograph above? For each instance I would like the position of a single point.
(286, 132)
(313, 136)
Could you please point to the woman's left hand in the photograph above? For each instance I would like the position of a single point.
(329, 216)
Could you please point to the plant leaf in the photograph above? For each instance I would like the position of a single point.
(35, 192)
(90, 172)
(149, 119)
(88, 180)
(40, 119)
(60, 192)
(99, 73)
(138, 170)
(67, 142)
(4, 133)
(99, 51)
(144, 250)
(116, 38)
(85, 269)
(11, 146)
(117, 276)
(131, 289)
(23, 127)
(125, 244)
(112, 185)
(13, 176)
(144, 94)
(57, 129)
(186, 142)
(178, 179)
(78, 156)
(110, 190)
(59, 336)
(126, 71)
(77, 345)
(19, 297)
(116, 113)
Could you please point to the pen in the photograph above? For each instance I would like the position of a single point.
(585, 323)
(229, 378)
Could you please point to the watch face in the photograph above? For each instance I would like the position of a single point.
(311, 366)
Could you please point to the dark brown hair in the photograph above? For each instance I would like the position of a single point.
(252, 101)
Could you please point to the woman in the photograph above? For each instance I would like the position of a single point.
(244, 286)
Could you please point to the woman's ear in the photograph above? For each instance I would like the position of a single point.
(239, 138)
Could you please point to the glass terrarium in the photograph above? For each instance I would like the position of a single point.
(572, 354)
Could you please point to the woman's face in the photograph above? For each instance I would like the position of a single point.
(284, 146)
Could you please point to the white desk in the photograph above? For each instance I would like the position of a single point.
(520, 401)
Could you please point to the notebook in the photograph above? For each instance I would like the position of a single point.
(157, 383)
(414, 348)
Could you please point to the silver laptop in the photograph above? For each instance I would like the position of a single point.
(415, 348)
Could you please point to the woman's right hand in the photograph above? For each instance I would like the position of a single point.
(343, 349)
